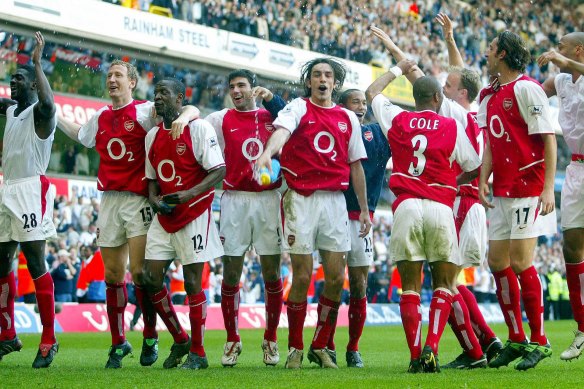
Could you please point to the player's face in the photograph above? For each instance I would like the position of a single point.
(20, 85)
(118, 83)
(452, 88)
(568, 49)
(322, 83)
(165, 100)
(492, 59)
(357, 103)
(240, 93)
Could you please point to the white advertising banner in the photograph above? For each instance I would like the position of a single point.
(120, 26)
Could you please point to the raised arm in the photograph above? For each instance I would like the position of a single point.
(404, 66)
(568, 65)
(396, 52)
(454, 57)
(44, 110)
(273, 103)
(69, 128)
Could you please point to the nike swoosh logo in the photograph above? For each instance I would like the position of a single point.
(311, 122)
(234, 129)
(29, 230)
(102, 132)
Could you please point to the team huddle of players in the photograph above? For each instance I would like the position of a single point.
(158, 173)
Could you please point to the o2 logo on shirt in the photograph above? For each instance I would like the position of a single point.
(329, 148)
(252, 148)
(116, 156)
(170, 177)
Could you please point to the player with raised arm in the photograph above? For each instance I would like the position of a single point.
(360, 257)
(466, 320)
(424, 146)
(26, 200)
(521, 154)
(118, 132)
(569, 87)
(322, 150)
(181, 176)
(250, 211)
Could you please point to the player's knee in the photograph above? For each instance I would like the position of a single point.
(358, 289)
(572, 252)
(271, 275)
(231, 277)
(150, 281)
(335, 281)
(301, 281)
(192, 287)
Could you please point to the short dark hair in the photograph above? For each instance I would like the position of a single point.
(30, 70)
(176, 85)
(250, 76)
(343, 97)
(339, 71)
(425, 88)
(516, 54)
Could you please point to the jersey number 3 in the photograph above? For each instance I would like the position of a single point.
(419, 144)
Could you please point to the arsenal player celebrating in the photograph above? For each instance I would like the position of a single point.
(424, 145)
(322, 149)
(182, 174)
(250, 213)
(521, 154)
(569, 86)
(117, 132)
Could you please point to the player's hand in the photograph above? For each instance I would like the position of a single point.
(37, 53)
(383, 37)
(264, 161)
(547, 202)
(484, 192)
(365, 222)
(407, 65)
(447, 29)
(554, 57)
(179, 197)
(178, 126)
(264, 93)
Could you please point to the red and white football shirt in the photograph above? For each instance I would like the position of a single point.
(242, 136)
(476, 136)
(515, 116)
(118, 137)
(180, 165)
(322, 145)
(424, 146)
(571, 116)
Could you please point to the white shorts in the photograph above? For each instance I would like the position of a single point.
(26, 209)
(519, 218)
(316, 222)
(423, 230)
(197, 242)
(122, 215)
(573, 197)
(361, 252)
(471, 225)
(250, 218)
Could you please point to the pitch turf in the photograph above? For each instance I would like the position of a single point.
(81, 359)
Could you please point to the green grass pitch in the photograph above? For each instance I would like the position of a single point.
(81, 359)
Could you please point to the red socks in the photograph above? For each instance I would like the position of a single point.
(198, 316)
(230, 310)
(509, 299)
(575, 276)
(532, 294)
(116, 296)
(274, 294)
(440, 307)
(45, 295)
(481, 328)
(165, 309)
(357, 316)
(327, 312)
(411, 314)
(296, 317)
(148, 312)
(459, 320)
(7, 294)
